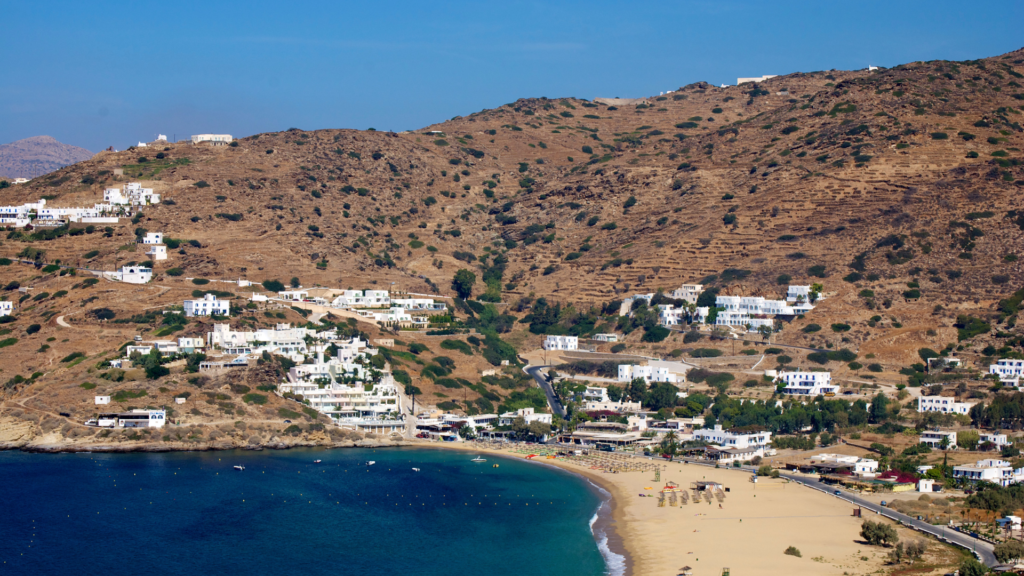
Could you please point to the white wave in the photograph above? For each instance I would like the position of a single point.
(615, 563)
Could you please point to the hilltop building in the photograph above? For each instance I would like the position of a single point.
(801, 383)
(213, 139)
(6, 308)
(755, 79)
(561, 343)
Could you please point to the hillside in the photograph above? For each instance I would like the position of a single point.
(38, 155)
(897, 189)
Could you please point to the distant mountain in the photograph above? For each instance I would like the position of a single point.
(38, 155)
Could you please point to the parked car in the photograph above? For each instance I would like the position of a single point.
(65, 414)
(837, 492)
(287, 421)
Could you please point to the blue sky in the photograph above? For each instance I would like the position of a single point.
(97, 74)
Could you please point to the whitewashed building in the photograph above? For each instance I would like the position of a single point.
(561, 343)
(933, 438)
(999, 440)
(755, 79)
(157, 252)
(208, 305)
(6, 308)
(133, 194)
(627, 372)
(801, 383)
(595, 398)
(733, 440)
(527, 414)
(216, 139)
(606, 337)
(991, 470)
(153, 238)
(131, 275)
(362, 299)
(688, 292)
(1008, 370)
(943, 404)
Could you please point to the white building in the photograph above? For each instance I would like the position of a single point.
(933, 438)
(221, 139)
(626, 308)
(627, 372)
(528, 414)
(1008, 370)
(102, 400)
(944, 404)
(800, 294)
(133, 194)
(153, 238)
(209, 305)
(866, 467)
(133, 419)
(6, 308)
(419, 304)
(688, 292)
(188, 345)
(807, 383)
(131, 275)
(294, 295)
(1000, 440)
(157, 252)
(362, 299)
(755, 79)
(991, 470)
(561, 343)
(733, 440)
(596, 398)
(606, 337)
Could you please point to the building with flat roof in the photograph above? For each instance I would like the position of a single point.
(561, 343)
(991, 470)
(1008, 370)
(801, 383)
(215, 139)
(208, 305)
(933, 438)
(943, 404)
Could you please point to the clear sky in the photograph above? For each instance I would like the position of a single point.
(97, 73)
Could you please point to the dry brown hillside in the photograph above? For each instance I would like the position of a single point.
(898, 189)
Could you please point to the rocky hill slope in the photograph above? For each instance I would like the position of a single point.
(38, 155)
(897, 189)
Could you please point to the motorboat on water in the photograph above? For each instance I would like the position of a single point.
(478, 459)
(415, 469)
(317, 461)
(371, 462)
(239, 467)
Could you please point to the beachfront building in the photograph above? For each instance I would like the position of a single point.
(601, 433)
(527, 414)
(866, 467)
(801, 383)
(133, 419)
(561, 343)
(606, 337)
(213, 139)
(133, 194)
(627, 372)
(595, 398)
(943, 404)
(1008, 370)
(991, 470)
(6, 308)
(687, 292)
(208, 305)
(742, 440)
(934, 439)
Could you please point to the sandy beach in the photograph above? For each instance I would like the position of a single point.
(748, 534)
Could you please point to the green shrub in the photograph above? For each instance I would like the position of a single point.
(811, 328)
(840, 327)
(73, 356)
(200, 281)
(254, 398)
(175, 272)
(91, 254)
(706, 353)
(618, 348)
(875, 367)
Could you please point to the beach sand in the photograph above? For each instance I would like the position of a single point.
(748, 534)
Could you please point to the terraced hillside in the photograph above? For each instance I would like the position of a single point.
(898, 189)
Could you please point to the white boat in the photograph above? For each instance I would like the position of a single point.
(415, 469)
(371, 462)
(239, 467)
(478, 459)
(317, 461)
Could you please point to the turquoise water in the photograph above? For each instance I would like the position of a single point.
(178, 513)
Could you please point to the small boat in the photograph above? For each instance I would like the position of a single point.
(478, 459)
(371, 462)
(415, 469)
(317, 461)
(239, 467)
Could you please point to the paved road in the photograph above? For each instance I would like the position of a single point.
(542, 381)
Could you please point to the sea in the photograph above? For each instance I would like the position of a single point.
(193, 513)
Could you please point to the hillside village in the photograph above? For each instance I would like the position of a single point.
(815, 272)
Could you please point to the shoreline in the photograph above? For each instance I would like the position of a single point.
(161, 447)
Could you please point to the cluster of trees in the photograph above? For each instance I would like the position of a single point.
(554, 319)
(878, 533)
(646, 318)
(821, 414)
(660, 395)
(1005, 411)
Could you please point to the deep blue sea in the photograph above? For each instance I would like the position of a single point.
(191, 513)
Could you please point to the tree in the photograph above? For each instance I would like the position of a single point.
(519, 427)
(273, 285)
(539, 429)
(878, 533)
(661, 395)
(968, 439)
(971, 567)
(896, 554)
(765, 332)
(669, 444)
(614, 393)
(1009, 551)
(295, 282)
(637, 390)
(467, 432)
(463, 282)
(944, 443)
(879, 408)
